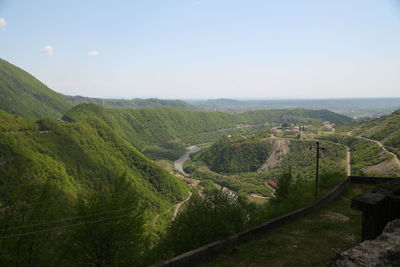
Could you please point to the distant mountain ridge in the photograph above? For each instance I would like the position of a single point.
(24, 95)
(358, 107)
(131, 103)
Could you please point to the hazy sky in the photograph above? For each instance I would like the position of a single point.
(207, 48)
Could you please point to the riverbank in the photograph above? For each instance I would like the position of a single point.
(178, 164)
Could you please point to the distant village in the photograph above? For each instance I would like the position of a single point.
(286, 129)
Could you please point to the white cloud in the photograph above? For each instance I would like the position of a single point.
(48, 50)
(93, 53)
(2, 24)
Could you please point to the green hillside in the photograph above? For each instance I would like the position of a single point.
(52, 170)
(163, 132)
(385, 129)
(238, 157)
(133, 103)
(87, 152)
(23, 94)
(242, 155)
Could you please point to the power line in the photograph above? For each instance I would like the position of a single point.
(43, 202)
(62, 227)
(46, 183)
(61, 220)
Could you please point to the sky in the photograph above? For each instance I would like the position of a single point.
(180, 49)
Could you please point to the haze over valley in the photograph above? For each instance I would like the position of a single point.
(240, 135)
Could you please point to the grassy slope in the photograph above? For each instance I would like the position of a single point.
(310, 241)
(22, 94)
(364, 155)
(78, 156)
(385, 129)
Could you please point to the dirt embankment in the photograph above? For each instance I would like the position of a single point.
(281, 148)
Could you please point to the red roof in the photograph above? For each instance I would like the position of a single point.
(272, 183)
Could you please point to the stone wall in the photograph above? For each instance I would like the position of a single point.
(382, 251)
(207, 252)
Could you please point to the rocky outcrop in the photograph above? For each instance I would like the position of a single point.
(382, 251)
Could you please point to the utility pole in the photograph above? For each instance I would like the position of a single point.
(317, 168)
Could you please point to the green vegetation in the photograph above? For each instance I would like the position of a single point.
(79, 189)
(220, 214)
(164, 132)
(117, 242)
(301, 159)
(385, 129)
(52, 170)
(22, 94)
(242, 184)
(133, 103)
(233, 162)
(205, 220)
(364, 155)
(235, 156)
(310, 241)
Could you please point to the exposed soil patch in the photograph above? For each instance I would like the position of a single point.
(281, 148)
(258, 196)
(336, 216)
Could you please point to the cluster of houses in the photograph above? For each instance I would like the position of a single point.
(287, 129)
(328, 126)
(291, 129)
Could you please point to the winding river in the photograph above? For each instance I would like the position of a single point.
(179, 162)
(179, 165)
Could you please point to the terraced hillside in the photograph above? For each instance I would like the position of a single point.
(385, 130)
(368, 158)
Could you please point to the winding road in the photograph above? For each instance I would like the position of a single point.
(396, 159)
(178, 206)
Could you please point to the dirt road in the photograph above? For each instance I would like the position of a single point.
(178, 206)
(395, 158)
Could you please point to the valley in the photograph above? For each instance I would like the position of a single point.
(75, 170)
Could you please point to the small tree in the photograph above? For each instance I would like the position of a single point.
(205, 220)
(114, 236)
(284, 186)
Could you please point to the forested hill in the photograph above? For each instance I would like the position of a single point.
(165, 126)
(133, 103)
(23, 94)
(78, 157)
(72, 187)
(385, 129)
